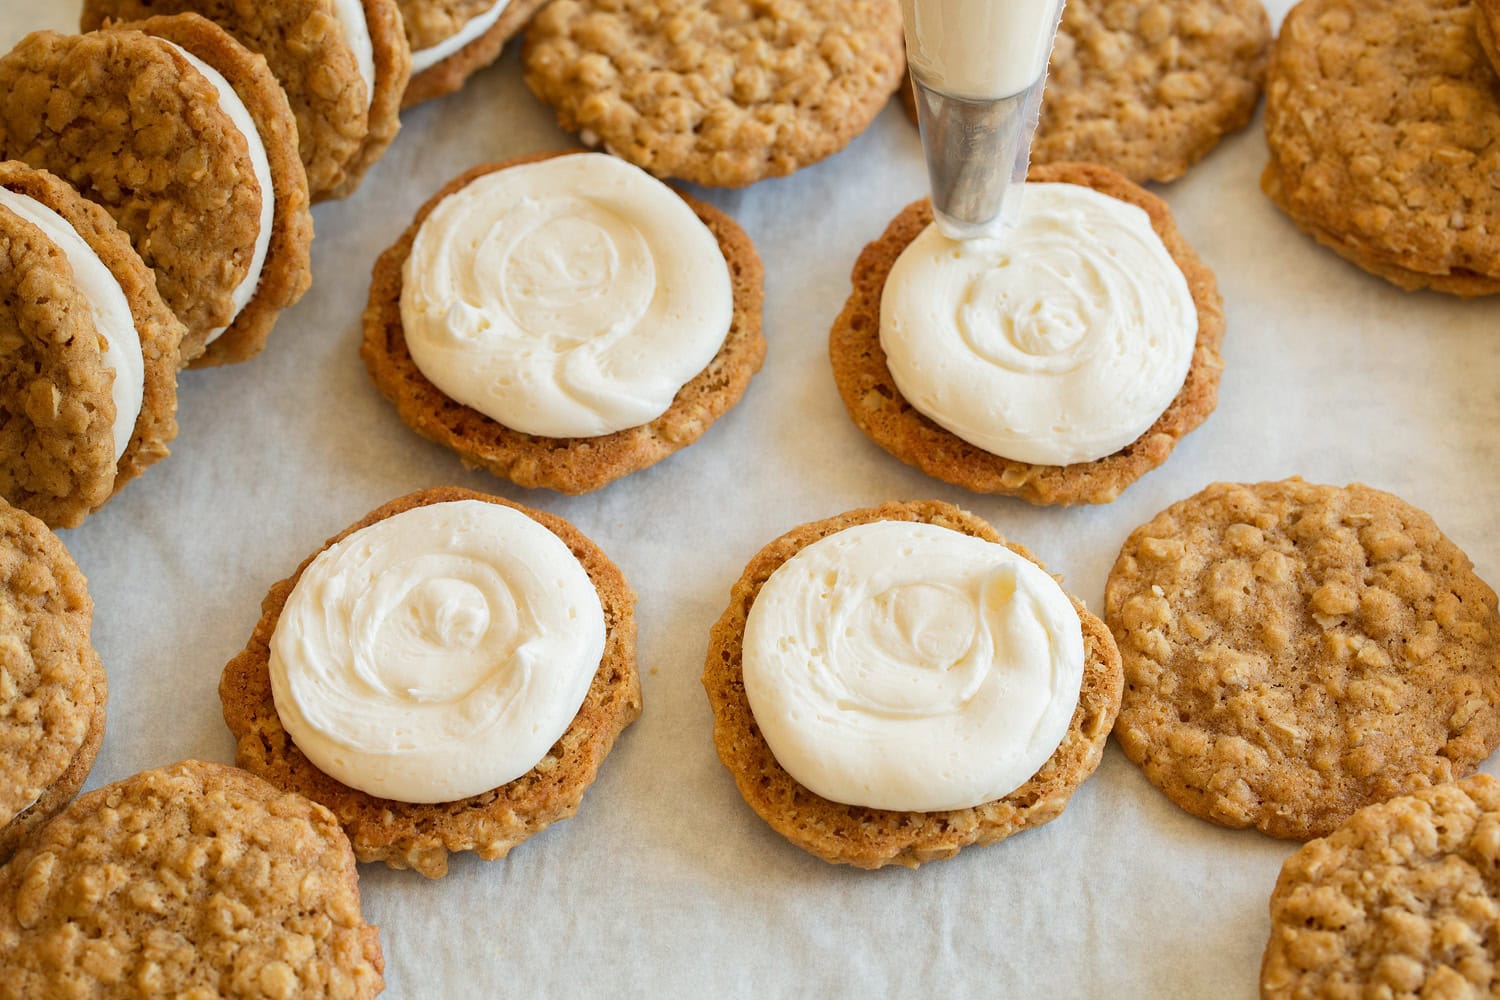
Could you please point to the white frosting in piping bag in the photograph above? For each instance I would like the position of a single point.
(905, 666)
(979, 49)
(1060, 343)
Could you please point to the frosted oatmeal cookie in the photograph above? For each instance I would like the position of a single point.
(1402, 900)
(190, 880)
(720, 93)
(52, 685)
(997, 371)
(452, 40)
(510, 664)
(344, 65)
(820, 675)
(1294, 652)
(91, 352)
(565, 377)
(1380, 118)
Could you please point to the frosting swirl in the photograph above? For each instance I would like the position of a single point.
(572, 297)
(438, 653)
(1063, 342)
(905, 666)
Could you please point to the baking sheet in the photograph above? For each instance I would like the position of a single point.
(666, 883)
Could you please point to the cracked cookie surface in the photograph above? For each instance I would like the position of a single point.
(1294, 652)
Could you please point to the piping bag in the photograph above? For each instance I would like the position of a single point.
(978, 68)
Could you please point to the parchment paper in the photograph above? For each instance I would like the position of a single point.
(666, 883)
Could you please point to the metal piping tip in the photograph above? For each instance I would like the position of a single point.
(977, 155)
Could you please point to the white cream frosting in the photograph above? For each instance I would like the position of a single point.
(231, 104)
(905, 666)
(111, 310)
(438, 653)
(425, 59)
(351, 16)
(1061, 343)
(572, 297)
(979, 49)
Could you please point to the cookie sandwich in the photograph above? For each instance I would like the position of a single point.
(1294, 652)
(1148, 89)
(446, 675)
(718, 94)
(190, 880)
(1380, 120)
(1400, 901)
(52, 685)
(1058, 366)
(894, 684)
(344, 65)
(165, 139)
(563, 320)
(89, 397)
(452, 40)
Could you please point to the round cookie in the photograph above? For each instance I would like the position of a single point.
(342, 128)
(1380, 118)
(287, 272)
(134, 127)
(1148, 89)
(190, 880)
(568, 465)
(873, 838)
(52, 685)
(717, 94)
(1402, 900)
(1294, 652)
(878, 409)
(408, 835)
(431, 23)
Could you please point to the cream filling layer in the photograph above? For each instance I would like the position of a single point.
(1062, 342)
(111, 310)
(425, 59)
(351, 15)
(904, 666)
(573, 297)
(438, 653)
(231, 105)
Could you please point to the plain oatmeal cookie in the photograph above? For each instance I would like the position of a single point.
(1402, 900)
(421, 836)
(872, 838)
(1381, 117)
(1294, 652)
(723, 92)
(194, 880)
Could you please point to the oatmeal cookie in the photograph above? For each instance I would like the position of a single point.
(568, 465)
(1381, 118)
(720, 93)
(1402, 900)
(190, 880)
(873, 838)
(430, 23)
(1294, 652)
(421, 836)
(879, 410)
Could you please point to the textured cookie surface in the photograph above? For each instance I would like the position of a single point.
(429, 22)
(56, 412)
(723, 92)
(134, 128)
(879, 410)
(872, 838)
(1294, 652)
(159, 331)
(1381, 117)
(569, 465)
(419, 836)
(51, 682)
(195, 880)
(1402, 900)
